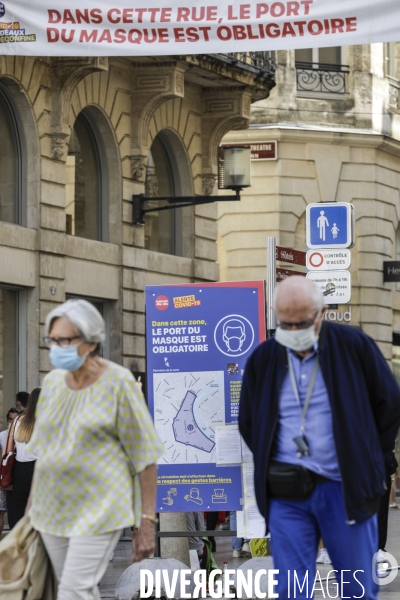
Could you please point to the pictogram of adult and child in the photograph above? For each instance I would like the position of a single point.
(323, 223)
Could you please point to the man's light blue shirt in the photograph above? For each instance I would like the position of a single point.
(322, 458)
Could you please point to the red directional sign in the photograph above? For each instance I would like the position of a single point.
(258, 150)
(296, 257)
(282, 274)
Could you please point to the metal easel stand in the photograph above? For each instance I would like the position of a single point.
(183, 534)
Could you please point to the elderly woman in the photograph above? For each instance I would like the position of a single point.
(97, 448)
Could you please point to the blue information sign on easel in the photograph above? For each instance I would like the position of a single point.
(330, 225)
(198, 339)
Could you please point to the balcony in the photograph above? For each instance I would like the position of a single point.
(252, 70)
(321, 80)
(262, 61)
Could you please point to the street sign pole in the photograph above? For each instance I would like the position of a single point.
(271, 282)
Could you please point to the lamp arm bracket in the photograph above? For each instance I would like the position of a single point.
(138, 203)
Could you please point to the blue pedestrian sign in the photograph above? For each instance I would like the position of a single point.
(330, 225)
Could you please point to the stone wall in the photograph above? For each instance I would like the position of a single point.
(131, 102)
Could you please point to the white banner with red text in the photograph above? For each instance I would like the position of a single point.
(173, 27)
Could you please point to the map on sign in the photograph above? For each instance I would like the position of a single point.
(187, 408)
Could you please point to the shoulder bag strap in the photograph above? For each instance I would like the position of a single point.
(10, 446)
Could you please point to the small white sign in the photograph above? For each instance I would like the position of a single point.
(247, 455)
(328, 260)
(335, 285)
(227, 445)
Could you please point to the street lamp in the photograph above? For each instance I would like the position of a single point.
(235, 171)
(234, 174)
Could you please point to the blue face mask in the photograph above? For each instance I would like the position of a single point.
(66, 358)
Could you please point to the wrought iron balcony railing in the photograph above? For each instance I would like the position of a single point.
(321, 79)
(264, 61)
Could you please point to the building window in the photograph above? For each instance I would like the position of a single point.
(12, 162)
(163, 228)
(12, 347)
(390, 67)
(103, 306)
(391, 71)
(319, 72)
(87, 181)
(320, 56)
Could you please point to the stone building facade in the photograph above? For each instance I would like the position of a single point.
(80, 136)
(335, 116)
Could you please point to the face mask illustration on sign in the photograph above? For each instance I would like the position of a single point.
(234, 335)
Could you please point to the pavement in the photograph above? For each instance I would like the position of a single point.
(122, 560)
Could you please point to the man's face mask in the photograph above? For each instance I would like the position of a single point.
(299, 339)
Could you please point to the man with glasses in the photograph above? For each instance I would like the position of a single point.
(320, 410)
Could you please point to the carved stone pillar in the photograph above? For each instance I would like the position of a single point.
(222, 110)
(66, 73)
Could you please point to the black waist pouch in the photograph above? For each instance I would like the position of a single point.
(289, 482)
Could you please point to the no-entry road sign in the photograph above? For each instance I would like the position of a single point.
(328, 260)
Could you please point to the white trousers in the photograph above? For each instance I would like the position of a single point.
(80, 563)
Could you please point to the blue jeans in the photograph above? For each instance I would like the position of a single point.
(237, 542)
(296, 527)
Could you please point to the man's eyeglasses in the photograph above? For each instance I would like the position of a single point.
(64, 342)
(300, 324)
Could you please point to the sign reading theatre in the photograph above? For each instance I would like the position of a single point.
(198, 339)
(258, 150)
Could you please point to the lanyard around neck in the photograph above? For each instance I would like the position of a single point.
(309, 390)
